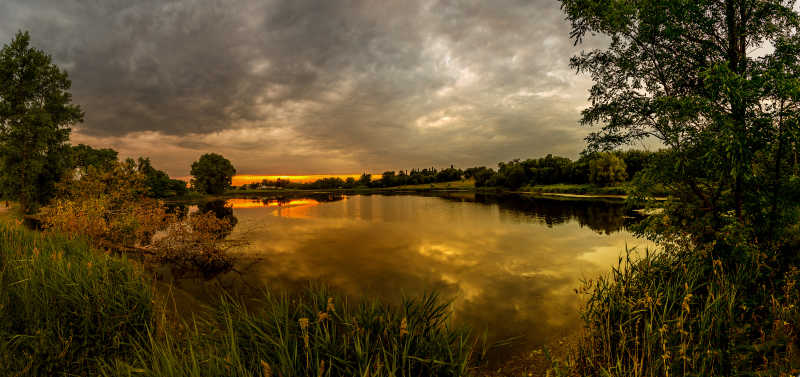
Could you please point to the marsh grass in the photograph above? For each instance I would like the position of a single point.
(676, 313)
(316, 333)
(62, 307)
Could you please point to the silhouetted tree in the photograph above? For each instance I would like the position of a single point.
(212, 174)
(365, 180)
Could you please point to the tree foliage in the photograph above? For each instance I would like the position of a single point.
(36, 111)
(686, 74)
(718, 83)
(109, 207)
(607, 169)
(84, 156)
(212, 174)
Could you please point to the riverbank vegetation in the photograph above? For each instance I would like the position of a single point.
(720, 298)
(69, 309)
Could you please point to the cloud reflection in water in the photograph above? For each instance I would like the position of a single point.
(511, 264)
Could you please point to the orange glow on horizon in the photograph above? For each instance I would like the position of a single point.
(252, 203)
(244, 179)
(239, 180)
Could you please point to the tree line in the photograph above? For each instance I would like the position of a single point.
(598, 168)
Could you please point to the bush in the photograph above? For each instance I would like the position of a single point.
(107, 206)
(64, 308)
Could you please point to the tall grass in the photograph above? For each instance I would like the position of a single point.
(64, 308)
(312, 334)
(677, 313)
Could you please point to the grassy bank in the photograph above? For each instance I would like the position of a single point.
(66, 309)
(681, 312)
(63, 308)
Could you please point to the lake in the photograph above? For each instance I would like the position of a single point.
(510, 263)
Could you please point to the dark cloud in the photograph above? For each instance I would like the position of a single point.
(302, 86)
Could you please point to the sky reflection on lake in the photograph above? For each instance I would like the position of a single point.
(511, 264)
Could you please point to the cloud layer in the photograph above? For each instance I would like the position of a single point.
(303, 87)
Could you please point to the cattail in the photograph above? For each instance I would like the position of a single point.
(267, 370)
(304, 327)
(322, 316)
(330, 307)
(321, 368)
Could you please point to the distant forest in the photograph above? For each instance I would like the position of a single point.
(598, 168)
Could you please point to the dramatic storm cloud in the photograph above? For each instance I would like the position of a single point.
(301, 86)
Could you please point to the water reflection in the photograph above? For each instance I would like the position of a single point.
(510, 263)
(601, 216)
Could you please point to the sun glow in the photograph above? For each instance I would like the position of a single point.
(239, 180)
(254, 203)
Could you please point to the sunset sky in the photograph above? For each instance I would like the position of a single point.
(299, 87)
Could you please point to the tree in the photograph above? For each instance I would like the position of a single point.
(718, 83)
(365, 180)
(212, 174)
(158, 183)
(84, 156)
(178, 187)
(388, 179)
(635, 161)
(36, 111)
(686, 73)
(484, 177)
(607, 169)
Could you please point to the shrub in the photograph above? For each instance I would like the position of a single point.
(107, 206)
(195, 245)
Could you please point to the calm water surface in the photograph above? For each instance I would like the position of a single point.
(509, 263)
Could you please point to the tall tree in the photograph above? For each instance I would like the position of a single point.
(36, 111)
(212, 174)
(689, 73)
(84, 156)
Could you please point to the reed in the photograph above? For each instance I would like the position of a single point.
(682, 313)
(316, 333)
(64, 308)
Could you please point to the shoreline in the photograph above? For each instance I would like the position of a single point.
(404, 190)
